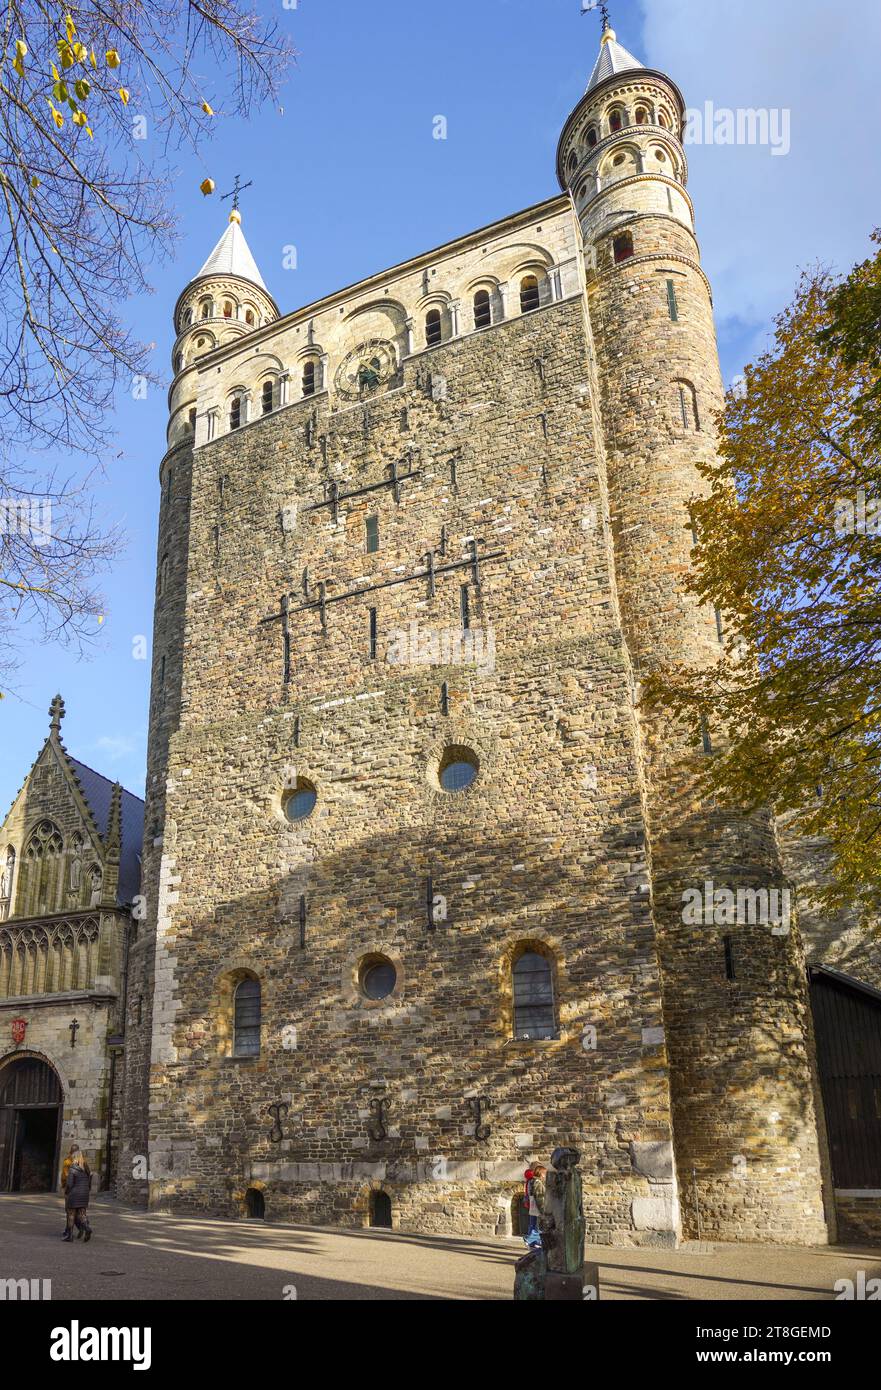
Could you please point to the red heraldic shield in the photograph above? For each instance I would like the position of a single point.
(19, 1028)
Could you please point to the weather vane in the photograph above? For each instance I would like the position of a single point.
(588, 6)
(234, 192)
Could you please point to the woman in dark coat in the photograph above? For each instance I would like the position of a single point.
(77, 1192)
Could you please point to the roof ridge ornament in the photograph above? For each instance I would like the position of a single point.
(56, 714)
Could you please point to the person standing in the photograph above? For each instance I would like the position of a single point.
(536, 1203)
(77, 1191)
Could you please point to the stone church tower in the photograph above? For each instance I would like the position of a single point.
(415, 859)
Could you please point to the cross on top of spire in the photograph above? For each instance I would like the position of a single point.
(56, 714)
(237, 188)
(588, 6)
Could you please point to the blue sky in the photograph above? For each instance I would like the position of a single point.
(351, 176)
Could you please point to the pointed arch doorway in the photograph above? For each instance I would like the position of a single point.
(31, 1104)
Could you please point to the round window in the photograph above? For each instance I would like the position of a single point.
(458, 769)
(300, 803)
(378, 978)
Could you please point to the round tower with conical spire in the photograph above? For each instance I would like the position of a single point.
(737, 1017)
(226, 300)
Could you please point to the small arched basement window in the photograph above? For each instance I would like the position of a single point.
(246, 1007)
(533, 987)
(530, 297)
(255, 1204)
(482, 309)
(381, 1210)
(433, 328)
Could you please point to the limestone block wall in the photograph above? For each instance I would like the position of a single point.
(83, 1070)
(494, 444)
(735, 1002)
(143, 995)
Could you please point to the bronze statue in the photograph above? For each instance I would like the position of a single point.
(555, 1271)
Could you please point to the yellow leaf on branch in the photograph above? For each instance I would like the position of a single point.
(112, 58)
(124, 95)
(207, 109)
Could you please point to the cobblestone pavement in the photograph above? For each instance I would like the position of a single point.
(140, 1255)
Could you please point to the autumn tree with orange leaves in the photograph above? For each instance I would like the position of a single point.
(789, 550)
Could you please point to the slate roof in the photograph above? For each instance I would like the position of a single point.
(98, 791)
(614, 58)
(232, 256)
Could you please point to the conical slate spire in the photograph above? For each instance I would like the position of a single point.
(613, 59)
(232, 255)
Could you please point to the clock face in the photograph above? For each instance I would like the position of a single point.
(367, 367)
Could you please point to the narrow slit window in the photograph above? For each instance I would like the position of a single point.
(465, 607)
(373, 634)
(672, 304)
(706, 741)
(729, 959)
(309, 379)
(266, 399)
(720, 631)
(235, 414)
(372, 534)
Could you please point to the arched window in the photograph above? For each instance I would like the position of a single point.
(664, 119)
(235, 412)
(43, 860)
(592, 136)
(309, 379)
(622, 247)
(206, 309)
(572, 163)
(246, 1007)
(686, 406)
(529, 294)
(616, 120)
(266, 397)
(534, 1015)
(227, 309)
(482, 309)
(642, 116)
(188, 318)
(7, 875)
(433, 328)
(249, 317)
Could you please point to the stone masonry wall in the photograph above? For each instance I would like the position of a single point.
(739, 1029)
(547, 846)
